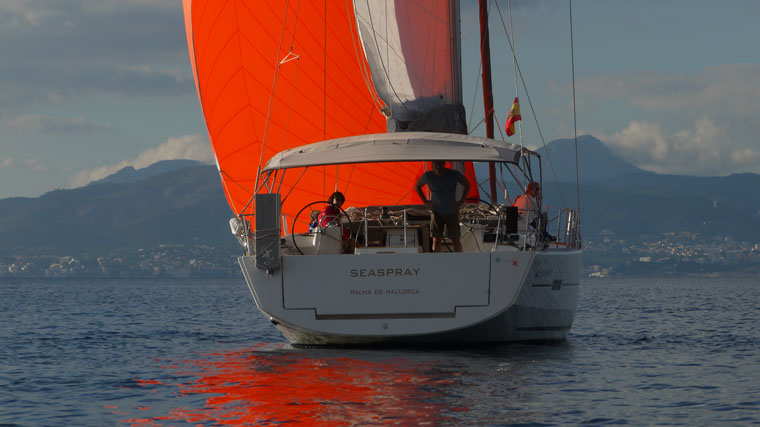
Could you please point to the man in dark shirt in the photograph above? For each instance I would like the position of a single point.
(442, 183)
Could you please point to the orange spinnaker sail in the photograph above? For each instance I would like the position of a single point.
(273, 75)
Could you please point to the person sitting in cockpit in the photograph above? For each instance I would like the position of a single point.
(330, 214)
(527, 206)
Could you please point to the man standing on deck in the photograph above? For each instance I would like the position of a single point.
(442, 183)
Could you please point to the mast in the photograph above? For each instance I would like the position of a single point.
(485, 60)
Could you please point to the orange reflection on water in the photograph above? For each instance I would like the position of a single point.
(253, 388)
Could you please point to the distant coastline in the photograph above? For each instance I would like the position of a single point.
(667, 255)
(170, 220)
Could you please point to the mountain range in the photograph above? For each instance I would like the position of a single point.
(129, 174)
(631, 202)
(183, 206)
(596, 161)
(182, 202)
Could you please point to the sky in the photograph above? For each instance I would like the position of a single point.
(672, 86)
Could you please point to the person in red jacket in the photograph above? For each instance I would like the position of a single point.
(330, 214)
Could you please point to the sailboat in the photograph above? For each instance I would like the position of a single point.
(303, 99)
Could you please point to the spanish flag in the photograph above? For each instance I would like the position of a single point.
(514, 116)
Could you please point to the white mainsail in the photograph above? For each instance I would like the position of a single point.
(413, 52)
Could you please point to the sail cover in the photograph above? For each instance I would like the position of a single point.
(273, 75)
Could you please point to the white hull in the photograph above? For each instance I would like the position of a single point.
(420, 298)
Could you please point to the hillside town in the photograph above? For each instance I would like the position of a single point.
(605, 254)
(670, 253)
(161, 261)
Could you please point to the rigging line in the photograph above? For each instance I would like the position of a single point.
(530, 170)
(533, 111)
(513, 171)
(279, 179)
(514, 55)
(229, 195)
(514, 66)
(387, 46)
(478, 125)
(273, 180)
(398, 202)
(502, 187)
(324, 101)
(292, 187)
(295, 27)
(501, 135)
(274, 85)
(512, 43)
(265, 184)
(256, 190)
(290, 57)
(337, 171)
(507, 199)
(350, 175)
(481, 187)
(245, 84)
(575, 120)
(522, 158)
(233, 180)
(246, 206)
(363, 67)
(475, 95)
(353, 166)
(292, 97)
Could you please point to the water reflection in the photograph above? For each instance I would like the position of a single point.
(267, 385)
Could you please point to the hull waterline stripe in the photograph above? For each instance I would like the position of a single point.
(545, 328)
(549, 285)
(385, 316)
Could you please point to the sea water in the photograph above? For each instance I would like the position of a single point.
(644, 351)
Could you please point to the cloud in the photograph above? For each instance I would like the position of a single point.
(35, 164)
(727, 89)
(192, 147)
(698, 151)
(709, 120)
(746, 158)
(49, 124)
(32, 163)
(145, 30)
(70, 48)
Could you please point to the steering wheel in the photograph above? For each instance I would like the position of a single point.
(334, 220)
